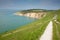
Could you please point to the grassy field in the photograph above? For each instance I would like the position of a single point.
(56, 27)
(34, 30)
(56, 31)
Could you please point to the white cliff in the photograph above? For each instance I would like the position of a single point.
(32, 14)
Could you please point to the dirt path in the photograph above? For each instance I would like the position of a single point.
(47, 35)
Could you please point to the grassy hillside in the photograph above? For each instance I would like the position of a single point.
(33, 10)
(56, 26)
(34, 30)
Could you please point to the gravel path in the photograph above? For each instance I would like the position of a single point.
(47, 35)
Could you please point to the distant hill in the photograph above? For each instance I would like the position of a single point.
(34, 10)
(34, 13)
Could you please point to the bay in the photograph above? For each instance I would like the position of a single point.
(9, 21)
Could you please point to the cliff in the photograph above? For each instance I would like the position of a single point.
(33, 14)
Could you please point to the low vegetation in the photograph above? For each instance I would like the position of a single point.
(56, 26)
(33, 11)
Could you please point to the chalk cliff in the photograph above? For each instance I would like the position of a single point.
(33, 14)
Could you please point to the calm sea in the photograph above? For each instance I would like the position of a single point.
(9, 21)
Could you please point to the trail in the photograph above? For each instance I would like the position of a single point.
(47, 35)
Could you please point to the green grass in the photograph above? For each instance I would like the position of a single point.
(56, 27)
(55, 35)
(56, 31)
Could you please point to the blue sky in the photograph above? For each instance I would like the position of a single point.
(30, 4)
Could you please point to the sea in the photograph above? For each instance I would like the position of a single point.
(9, 21)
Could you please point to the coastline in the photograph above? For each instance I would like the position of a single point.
(32, 14)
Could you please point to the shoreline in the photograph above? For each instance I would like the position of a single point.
(32, 15)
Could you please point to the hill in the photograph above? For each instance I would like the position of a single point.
(34, 13)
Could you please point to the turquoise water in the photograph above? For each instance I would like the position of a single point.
(9, 21)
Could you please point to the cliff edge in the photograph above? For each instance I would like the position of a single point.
(32, 13)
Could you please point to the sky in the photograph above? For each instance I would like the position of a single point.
(30, 4)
